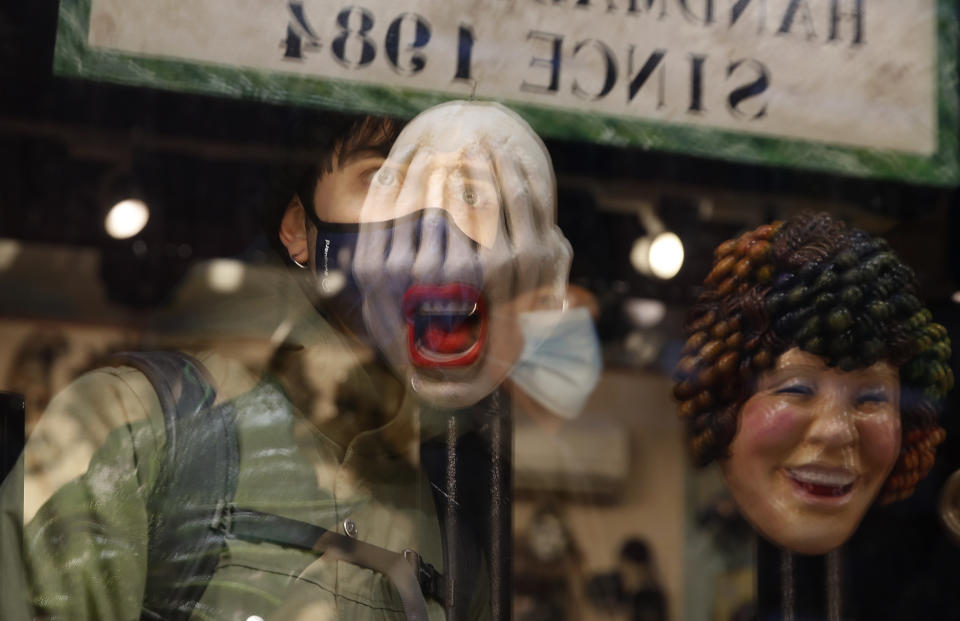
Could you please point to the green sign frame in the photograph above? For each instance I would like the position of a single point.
(74, 58)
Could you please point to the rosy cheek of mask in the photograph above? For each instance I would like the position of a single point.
(771, 426)
(880, 438)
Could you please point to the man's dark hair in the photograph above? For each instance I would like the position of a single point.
(332, 139)
(369, 133)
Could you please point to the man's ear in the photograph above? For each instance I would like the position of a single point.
(293, 231)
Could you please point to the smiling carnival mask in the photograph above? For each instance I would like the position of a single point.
(814, 376)
(442, 295)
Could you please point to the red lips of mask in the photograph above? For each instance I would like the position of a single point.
(446, 324)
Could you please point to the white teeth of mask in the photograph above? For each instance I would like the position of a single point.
(819, 476)
(448, 308)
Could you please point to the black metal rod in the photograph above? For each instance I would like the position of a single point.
(501, 512)
(797, 586)
(490, 423)
(450, 485)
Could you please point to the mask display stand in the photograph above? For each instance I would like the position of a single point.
(12, 430)
(501, 505)
(471, 472)
(796, 587)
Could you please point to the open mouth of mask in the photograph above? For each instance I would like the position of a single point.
(446, 324)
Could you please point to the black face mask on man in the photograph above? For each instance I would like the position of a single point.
(337, 293)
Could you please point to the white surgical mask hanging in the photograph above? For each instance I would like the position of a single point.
(561, 362)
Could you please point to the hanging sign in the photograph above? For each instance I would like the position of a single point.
(850, 86)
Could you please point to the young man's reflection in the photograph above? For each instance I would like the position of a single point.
(356, 475)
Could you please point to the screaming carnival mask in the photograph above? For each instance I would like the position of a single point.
(475, 190)
(814, 376)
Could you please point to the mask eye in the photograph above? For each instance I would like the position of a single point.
(795, 389)
(873, 396)
(470, 196)
(386, 177)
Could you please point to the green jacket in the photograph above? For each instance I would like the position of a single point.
(84, 551)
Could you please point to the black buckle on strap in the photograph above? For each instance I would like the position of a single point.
(432, 582)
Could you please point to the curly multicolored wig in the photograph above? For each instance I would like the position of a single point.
(831, 290)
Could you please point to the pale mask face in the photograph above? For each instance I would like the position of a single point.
(460, 238)
(814, 446)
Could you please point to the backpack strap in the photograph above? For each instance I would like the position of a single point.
(196, 479)
(191, 510)
(406, 570)
(183, 386)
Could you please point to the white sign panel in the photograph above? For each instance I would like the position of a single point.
(846, 72)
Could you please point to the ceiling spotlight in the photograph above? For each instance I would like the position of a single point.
(666, 255)
(127, 218)
(659, 255)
